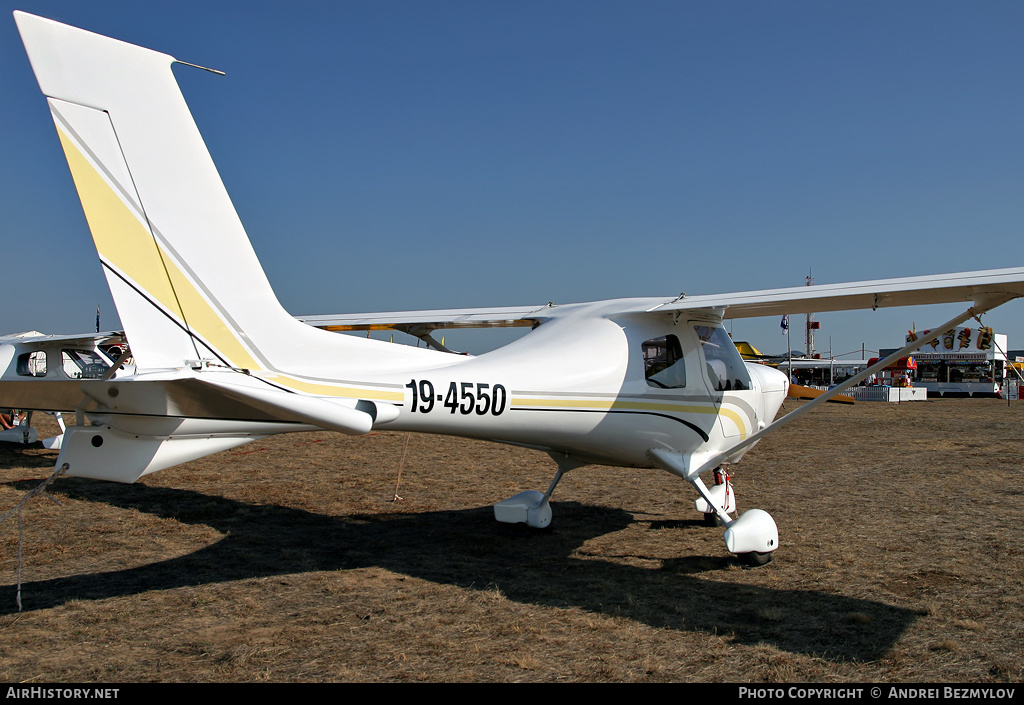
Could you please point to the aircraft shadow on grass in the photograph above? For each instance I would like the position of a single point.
(467, 548)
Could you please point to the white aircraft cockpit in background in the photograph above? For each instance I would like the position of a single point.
(642, 382)
(30, 361)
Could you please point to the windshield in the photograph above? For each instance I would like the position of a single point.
(725, 367)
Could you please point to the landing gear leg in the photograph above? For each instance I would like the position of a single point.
(752, 536)
(531, 507)
(723, 494)
(26, 427)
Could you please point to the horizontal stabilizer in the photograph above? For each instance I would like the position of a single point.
(197, 397)
(286, 406)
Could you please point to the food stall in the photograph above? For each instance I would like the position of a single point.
(898, 374)
(893, 383)
(962, 361)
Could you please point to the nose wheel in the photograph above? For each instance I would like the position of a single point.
(753, 535)
(756, 559)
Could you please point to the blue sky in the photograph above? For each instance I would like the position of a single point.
(396, 155)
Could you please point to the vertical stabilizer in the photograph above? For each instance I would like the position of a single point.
(183, 274)
(181, 269)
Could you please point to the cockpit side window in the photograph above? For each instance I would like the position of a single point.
(83, 364)
(32, 364)
(725, 367)
(664, 366)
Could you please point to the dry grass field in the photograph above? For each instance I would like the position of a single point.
(287, 559)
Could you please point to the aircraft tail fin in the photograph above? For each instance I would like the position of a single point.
(185, 279)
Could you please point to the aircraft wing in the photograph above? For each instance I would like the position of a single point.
(501, 317)
(113, 337)
(995, 285)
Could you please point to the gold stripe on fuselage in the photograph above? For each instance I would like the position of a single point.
(742, 422)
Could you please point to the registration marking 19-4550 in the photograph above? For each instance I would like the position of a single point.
(463, 397)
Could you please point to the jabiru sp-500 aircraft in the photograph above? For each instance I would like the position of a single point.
(642, 382)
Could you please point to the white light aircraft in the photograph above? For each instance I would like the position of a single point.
(643, 382)
(26, 358)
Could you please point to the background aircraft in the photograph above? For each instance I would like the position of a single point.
(27, 359)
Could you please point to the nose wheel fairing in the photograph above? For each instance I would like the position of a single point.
(753, 535)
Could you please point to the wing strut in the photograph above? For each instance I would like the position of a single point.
(423, 332)
(717, 459)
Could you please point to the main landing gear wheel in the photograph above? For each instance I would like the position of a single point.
(531, 507)
(710, 519)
